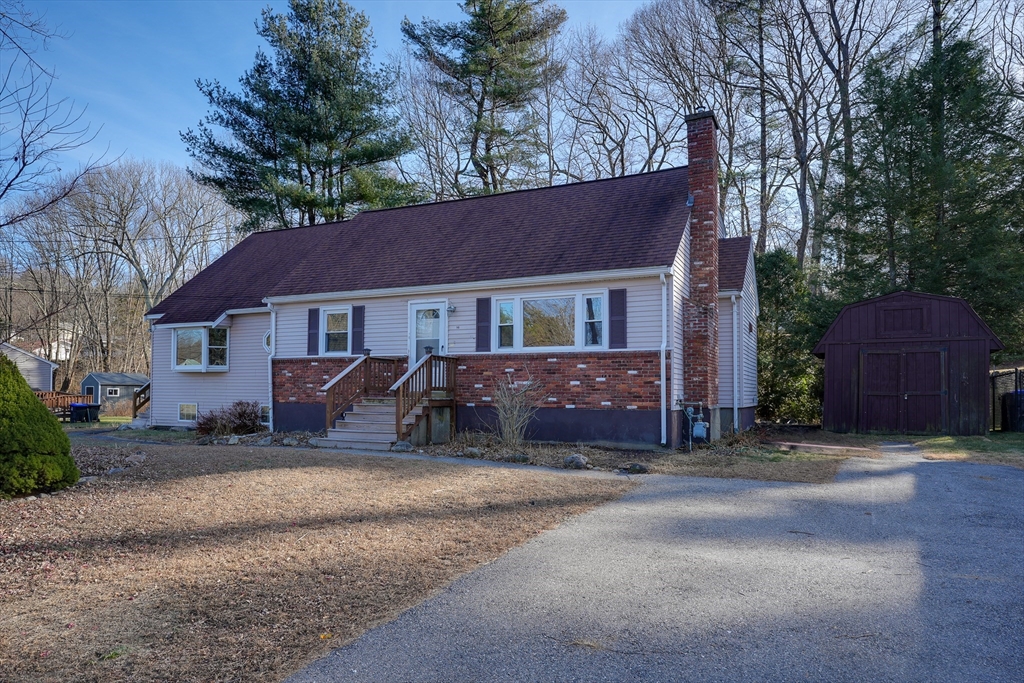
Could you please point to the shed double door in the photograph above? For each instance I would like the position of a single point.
(903, 391)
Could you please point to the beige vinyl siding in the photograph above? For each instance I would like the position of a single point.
(680, 293)
(36, 371)
(386, 322)
(749, 349)
(245, 380)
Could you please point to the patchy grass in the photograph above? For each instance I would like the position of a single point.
(109, 435)
(998, 448)
(105, 422)
(244, 564)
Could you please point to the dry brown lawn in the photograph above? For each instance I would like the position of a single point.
(744, 456)
(244, 564)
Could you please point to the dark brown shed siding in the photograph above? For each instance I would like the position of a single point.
(916, 363)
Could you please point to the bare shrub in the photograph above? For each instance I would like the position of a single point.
(516, 402)
(241, 417)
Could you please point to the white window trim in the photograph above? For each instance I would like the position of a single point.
(204, 366)
(116, 392)
(268, 409)
(324, 312)
(517, 321)
(267, 341)
(188, 404)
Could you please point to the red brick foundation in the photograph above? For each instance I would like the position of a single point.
(298, 380)
(606, 380)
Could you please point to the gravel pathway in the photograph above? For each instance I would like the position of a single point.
(903, 569)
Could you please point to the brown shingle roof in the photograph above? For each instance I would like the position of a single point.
(630, 222)
(733, 253)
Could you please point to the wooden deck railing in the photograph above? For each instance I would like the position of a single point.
(140, 398)
(368, 376)
(61, 403)
(431, 374)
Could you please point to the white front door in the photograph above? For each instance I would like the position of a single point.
(428, 327)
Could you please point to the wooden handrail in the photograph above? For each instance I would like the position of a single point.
(409, 374)
(343, 374)
(432, 373)
(368, 375)
(140, 398)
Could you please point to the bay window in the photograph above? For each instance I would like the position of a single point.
(548, 322)
(201, 349)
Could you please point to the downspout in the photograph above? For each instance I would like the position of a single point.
(735, 369)
(664, 345)
(270, 363)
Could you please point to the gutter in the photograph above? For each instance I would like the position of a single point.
(735, 369)
(270, 364)
(448, 287)
(664, 346)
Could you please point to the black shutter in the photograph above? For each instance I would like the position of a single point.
(313, 340)
(483, 324)
(358, 325)
(616, 318)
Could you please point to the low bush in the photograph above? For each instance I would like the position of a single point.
(241, 417)
(35, 453)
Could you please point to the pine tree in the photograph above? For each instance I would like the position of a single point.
(307, 120)
(939, 197)
(492, 64)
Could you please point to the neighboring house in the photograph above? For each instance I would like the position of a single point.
(907, 362)
(615, 295)
(110, 388)
(36, 370)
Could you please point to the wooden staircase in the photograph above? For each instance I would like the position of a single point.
(370, 425)
(369, 407)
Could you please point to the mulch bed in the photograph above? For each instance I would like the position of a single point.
(236, 563)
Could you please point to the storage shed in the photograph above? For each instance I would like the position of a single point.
(907, 362)
(108, 388)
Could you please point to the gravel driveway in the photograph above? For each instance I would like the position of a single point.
(901, 570)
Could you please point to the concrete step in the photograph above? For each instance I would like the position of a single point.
(360, 435)
(365, 428)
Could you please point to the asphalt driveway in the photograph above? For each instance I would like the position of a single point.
(901, 570)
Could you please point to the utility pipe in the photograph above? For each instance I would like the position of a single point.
(735, 368)
(664, 346)
(270, 362)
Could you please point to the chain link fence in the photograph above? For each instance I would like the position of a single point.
(1007, 400)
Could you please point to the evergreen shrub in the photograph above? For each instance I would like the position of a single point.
(35, 453)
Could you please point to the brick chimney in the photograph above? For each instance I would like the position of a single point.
(700, 374)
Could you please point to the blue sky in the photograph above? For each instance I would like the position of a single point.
(133, 63)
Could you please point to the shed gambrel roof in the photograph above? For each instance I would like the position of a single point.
(617, 223)
(850, 328)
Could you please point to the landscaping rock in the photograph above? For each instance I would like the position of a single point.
(636, 468)
(115, 470)
(125, 427)
(289, 441)
(265, 441)
(136, 458)
(402, 447)
(204, 441)
(87, 480)
(576, 461)
(472, 452)
(30, 498)
(233, 439)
